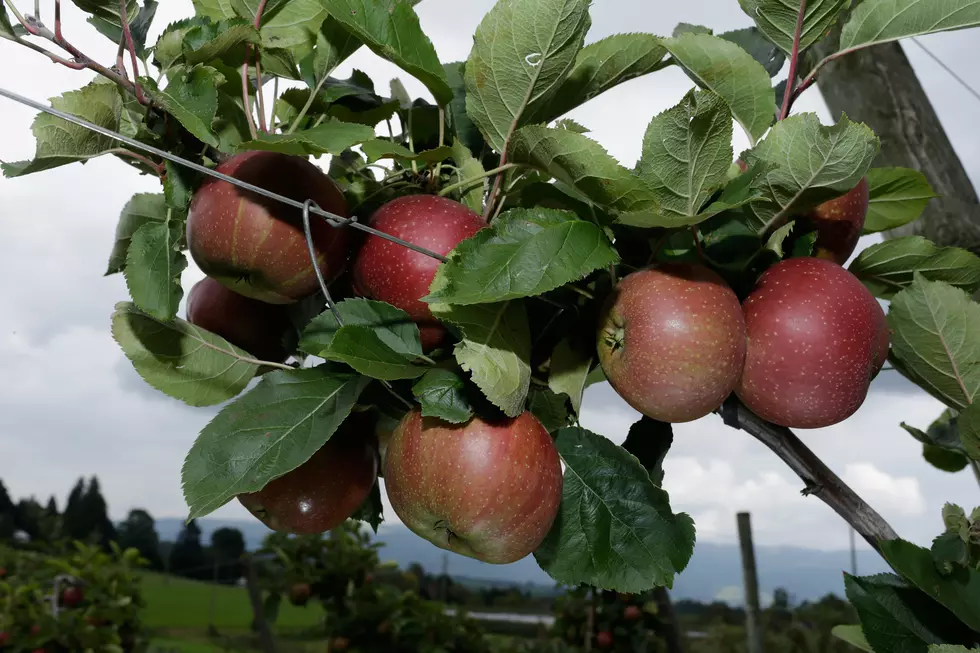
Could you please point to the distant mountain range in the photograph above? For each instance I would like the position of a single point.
(714, 571)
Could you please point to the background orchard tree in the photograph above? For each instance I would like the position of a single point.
(543, 298)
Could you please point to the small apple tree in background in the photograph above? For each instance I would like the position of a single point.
(501, 260)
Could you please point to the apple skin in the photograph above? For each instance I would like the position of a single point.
(816, 339)
(72, 596)
(840, 222)
(604, 639)
(299, 594)
(255, 326)
(672, 341)
(323, 492)
(632, 613)
(486, 490)
(391, 273)
(255, 245)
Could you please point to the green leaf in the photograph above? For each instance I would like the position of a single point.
(687, 151)
(721, 66)
(809, 163)
(142, 209)
(551, 409)
(941, 444)
(506, 83)
(936, 337)
(572, 126)
(650, 440)
(951, 648)
(442, 394)
(372, 510)
(191, 96)
(376, 339)
(265, 434)
(495, 349)
(895, 616)
(225, 40)
(107, 9)
(332, 137)
(959, 592)
(778, 237)
(888, 267)
(890, 20)
(60, 142)
(615, 529)
(969, 427)
(467, 133)
(582, 163)
(468, 167)
(690, 28)
(898, 196)
(525, 252)
(291, 25)
(601, 66)
(180, 359)
(804, 245)
(391, 29)
(945, 460)
(139, 26)
(379, 148)
(762, 49)
(569, 369)
(169, 47)
(154, 263)
(777, 20)
(853, 635)
(7, 30)
(334, 45)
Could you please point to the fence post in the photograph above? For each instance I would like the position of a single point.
(266, 641)
(753, 625)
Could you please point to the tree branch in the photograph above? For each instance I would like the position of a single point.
(793, 62)
(131, 45)
(819, 479)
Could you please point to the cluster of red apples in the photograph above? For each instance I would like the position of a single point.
(800, 351)
(675, 342)
(257, 261)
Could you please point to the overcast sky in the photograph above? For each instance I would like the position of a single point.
(71, 405)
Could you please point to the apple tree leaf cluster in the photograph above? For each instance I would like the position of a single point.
(546, 265)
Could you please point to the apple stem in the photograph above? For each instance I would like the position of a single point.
(306, 107)
(819, 479)
(793, 62)
(442, 140)
(247, 100)
(158, 168)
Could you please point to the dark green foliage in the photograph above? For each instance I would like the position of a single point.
(138, 532)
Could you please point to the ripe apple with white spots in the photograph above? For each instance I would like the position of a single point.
(672, 341)
(256, 246)
(486, 490)
(255, 326)
(816, 339)
(391, 273)
(323, 492)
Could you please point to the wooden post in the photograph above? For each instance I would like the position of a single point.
(266, 641)
(753, 625)
(665, 612)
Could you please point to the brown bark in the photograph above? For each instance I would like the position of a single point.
(879, 87)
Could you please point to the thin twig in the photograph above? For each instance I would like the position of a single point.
(793, 62)
(131, 44)
(306, 107)
(819, 479)
(259, 95)
(976, 469)
(473, 180)
(158, 168)
(442, 140)
(247, 100)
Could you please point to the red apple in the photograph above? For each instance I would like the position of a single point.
(255, 245)
(255, 326)
(672, 341)
(391, 273)
(3, 573)
(604, 639)
(323, 492)
(816, 338)
(486, 490)
(4, 639)
(299, 593)
(840, 222)
(632, 613)
(339, 644)
(72, 596)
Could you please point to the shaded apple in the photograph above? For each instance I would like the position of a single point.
(391, 273)
(632, 613)
(672, 341)
(323, 492)
(71, 596)
(299, 593)
(604, 639)
(816, 338)
(839, 223)
(255, 245)
(255, 326)
(486, 490)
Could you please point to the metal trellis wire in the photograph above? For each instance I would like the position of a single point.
(307, 207)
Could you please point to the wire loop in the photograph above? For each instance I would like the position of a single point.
(307, 206)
